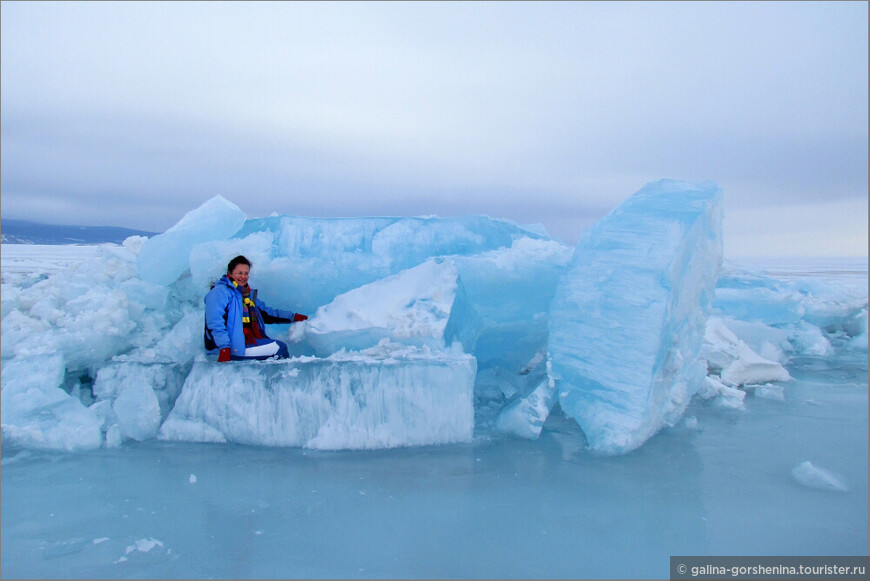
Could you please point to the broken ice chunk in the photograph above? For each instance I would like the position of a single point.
(424, 305)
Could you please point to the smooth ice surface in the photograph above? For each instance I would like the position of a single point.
(627, 322)
(379, 398)
(165, 257)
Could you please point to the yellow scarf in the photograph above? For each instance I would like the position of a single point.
(246, 300)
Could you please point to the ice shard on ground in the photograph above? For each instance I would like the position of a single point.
(628, 319)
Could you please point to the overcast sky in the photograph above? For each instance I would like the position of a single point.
(131, 114)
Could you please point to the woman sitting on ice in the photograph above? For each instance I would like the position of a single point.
(235, 320)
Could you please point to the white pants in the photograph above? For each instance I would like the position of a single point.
(262, 350)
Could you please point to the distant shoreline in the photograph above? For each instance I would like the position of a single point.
(14, 231)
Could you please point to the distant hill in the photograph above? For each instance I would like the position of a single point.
(25, 232)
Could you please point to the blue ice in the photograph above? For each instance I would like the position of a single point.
(165, 257)
(435, 419)
(628, 319)
(618, 333)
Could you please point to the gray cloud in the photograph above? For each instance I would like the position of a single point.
(132, 114)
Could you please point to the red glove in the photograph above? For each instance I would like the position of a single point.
(224, 355)
(299, 317)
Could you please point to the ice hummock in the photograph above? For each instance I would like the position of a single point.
(95, 355)
(627, 322)
(384, 397)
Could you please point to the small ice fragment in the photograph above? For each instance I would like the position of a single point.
(144, 545)
(113, 436)
(770, 391)
(192, 479)
(730, 398)
(814, 477)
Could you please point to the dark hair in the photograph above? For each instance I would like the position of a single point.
(237, 261)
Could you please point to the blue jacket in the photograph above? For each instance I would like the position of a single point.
(223, 317)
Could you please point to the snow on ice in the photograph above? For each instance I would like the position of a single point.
(422, 330)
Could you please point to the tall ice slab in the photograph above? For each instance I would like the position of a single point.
(627, 321)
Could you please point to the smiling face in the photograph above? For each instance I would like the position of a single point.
(240, 274)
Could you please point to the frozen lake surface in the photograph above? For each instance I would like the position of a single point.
(719, 483)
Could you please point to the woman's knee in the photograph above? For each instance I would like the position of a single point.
(283, 351)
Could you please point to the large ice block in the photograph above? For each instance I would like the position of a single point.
(627, 322)
(302, 263)
(389, 396)
(423, 305)
(165, 257)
